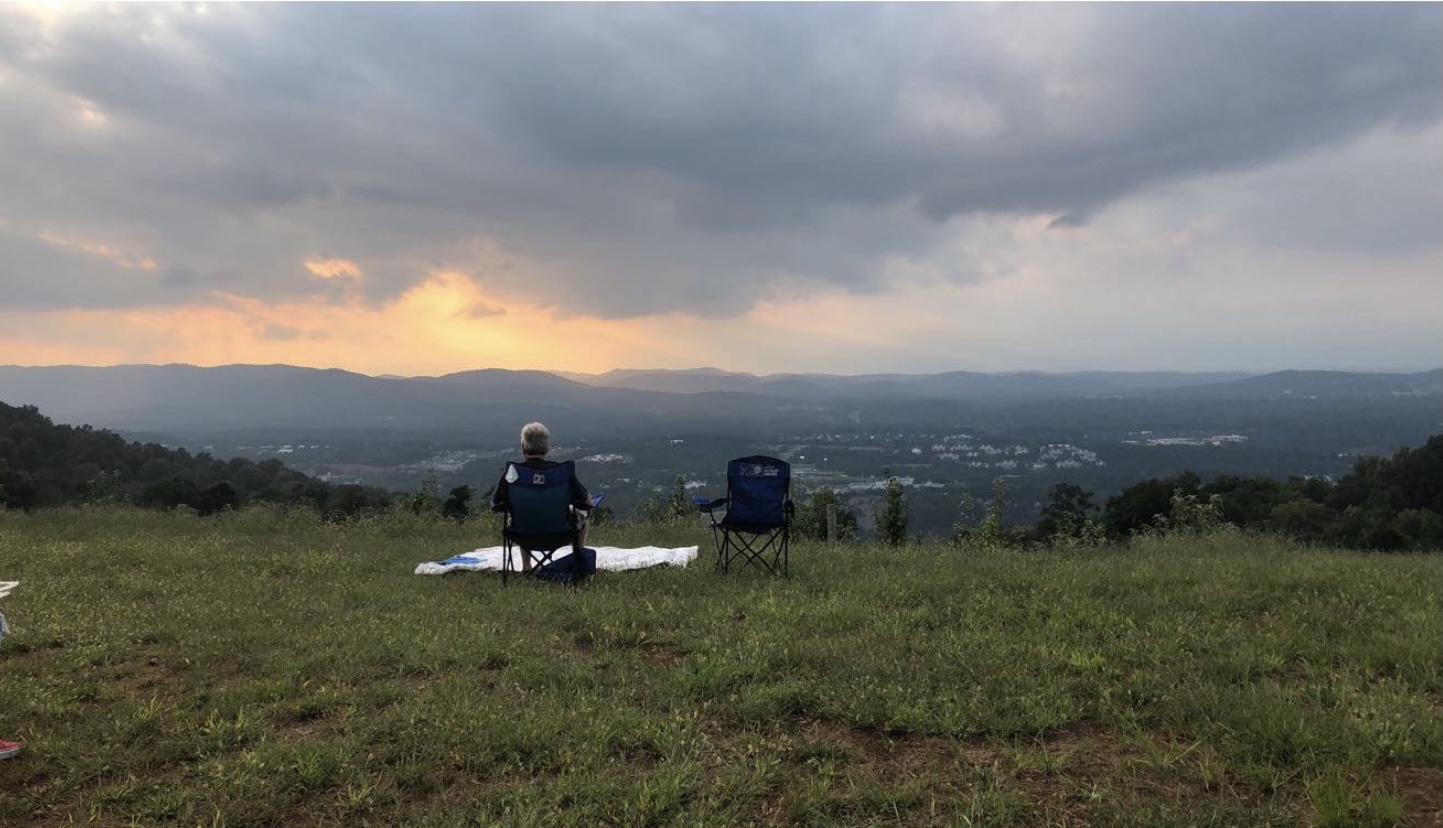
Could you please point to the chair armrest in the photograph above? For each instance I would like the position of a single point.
(707, 505)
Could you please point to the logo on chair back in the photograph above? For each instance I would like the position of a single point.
(759, 470)
(538, 479)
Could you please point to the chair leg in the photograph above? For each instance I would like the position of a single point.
(718, 542)
(771, 551)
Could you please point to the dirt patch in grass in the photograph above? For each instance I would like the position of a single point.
(145, 676)
(941, 765)
(19, 648)
(1422, 792)
(667, 655)
(64, 816)
(1079, 776)
(663, 653)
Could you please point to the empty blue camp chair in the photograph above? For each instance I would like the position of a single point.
(538, 519)
(755, 526)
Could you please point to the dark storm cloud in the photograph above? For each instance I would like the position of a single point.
(630, 158)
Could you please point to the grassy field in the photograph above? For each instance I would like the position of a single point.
(265, 669)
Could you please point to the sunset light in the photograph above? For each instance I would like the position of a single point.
(1089, 188)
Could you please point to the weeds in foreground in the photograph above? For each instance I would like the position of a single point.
(264, 668)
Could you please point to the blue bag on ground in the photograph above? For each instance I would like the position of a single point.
(573, 567)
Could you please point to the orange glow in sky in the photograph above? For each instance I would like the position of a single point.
(185, 183)
(121, 258)
(333, 269)
(444, 324)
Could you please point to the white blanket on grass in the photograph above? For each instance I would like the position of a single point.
(607, 557)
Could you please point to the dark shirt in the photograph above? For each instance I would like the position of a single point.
(580, 498)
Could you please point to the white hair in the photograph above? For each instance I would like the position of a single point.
(535, 440)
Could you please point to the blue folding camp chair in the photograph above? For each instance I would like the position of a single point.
(755, 526)
(538, 517)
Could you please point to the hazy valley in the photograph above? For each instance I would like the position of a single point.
(634, 433)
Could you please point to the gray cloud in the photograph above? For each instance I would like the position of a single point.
(644, 157)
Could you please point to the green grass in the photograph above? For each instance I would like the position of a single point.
(265, 669)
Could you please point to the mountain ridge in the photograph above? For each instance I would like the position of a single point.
(177, 397)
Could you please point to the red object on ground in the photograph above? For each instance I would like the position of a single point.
(8, 749)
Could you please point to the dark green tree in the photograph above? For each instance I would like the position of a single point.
(351, 500)
(891, 515)
(1368, 527)
(1139, 506)
(1068, 508)
(458, 504)
(1410, 479)
(601, 516)
(672, 507)
(812, 519)
(1420, 529)
(168, 494)
(217, 498)
(426, 500)
(18, 490)
(1302, 519)
(1246, 501)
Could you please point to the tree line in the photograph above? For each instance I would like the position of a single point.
(43, 464)
(1388, 504)
(1385, 503)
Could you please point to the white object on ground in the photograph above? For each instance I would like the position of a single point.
(5, 587)
(607, 557)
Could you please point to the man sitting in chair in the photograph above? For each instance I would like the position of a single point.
(535, 444)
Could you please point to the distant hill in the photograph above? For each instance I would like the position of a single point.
(967, 385)
(1321, 385)
(45, 464)
(491, 403)
(950, 385)
(191, 400)
(500, 378)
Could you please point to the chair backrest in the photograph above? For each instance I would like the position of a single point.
(758, 488)
(539, 498)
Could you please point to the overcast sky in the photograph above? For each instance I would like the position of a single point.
(417, 189)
